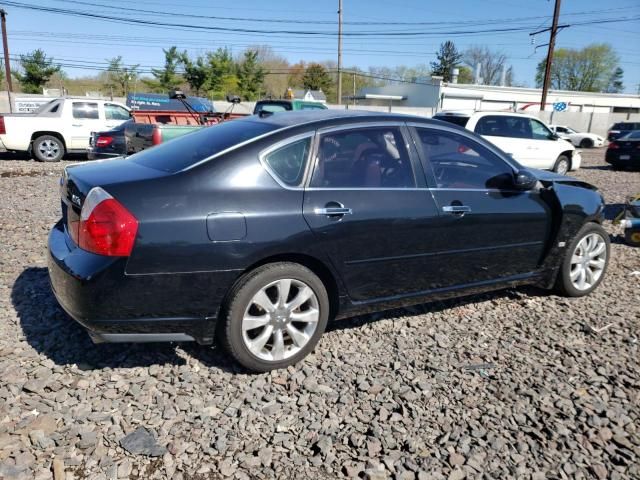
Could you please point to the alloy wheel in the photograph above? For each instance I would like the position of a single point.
(563, 167)
(588, 261)
(280, 319)
(49, 148)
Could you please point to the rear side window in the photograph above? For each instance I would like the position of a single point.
(459, 120)
(182, 152)
(85, 110)
(363, 158)
(288, 161)
(311, 106)
(504, 126)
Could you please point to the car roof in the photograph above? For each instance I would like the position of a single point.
(329, 117)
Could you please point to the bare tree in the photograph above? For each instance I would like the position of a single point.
(492, 63)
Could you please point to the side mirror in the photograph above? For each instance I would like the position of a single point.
(553, 136)
(525, 180)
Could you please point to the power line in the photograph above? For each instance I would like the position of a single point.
(380, 34)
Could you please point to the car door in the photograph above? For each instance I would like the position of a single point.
(488, 230)
(115, 115)
(545, 147)
(85, 119)
(370, 210)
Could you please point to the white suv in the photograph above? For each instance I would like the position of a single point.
(524, 137)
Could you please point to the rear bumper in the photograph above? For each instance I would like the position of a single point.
(613, 158)
(94, 154)
(114, 307)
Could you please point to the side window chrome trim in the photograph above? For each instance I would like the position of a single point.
(359, 126)
(282, 144)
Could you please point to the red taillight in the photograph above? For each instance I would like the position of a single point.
(104, 141)
(3, 129)
(613, 146)
(106, 227)
(462, 148)
(156, 136)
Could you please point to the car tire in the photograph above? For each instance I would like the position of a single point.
(588, 252)
(259, 327)
(586, 143)
(562, 165)
(47, 148)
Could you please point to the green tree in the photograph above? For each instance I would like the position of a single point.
(587, 70)
(222, 73)
(166, 79)
(615, 81)
(316, 77)
(448, 58)
(120, 77)
(36, 71)
(196, 73)
(465, 74)
(250, 76)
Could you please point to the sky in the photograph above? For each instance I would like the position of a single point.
(82, 45)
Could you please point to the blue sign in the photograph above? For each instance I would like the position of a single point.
(157, 101)
(560, 106)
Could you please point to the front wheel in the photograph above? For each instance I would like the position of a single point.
(562, 165)
(48, 148)
(275, 316)
(585, 262)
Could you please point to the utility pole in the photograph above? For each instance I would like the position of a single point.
(7, 65)
(552, 43)
(339, 52)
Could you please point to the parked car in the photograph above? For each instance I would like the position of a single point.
(261, 230)
(624, 151)
(284, 105)
(620, 129)
(582, 140)
(132, 137)
(61, 126)
(524, 137)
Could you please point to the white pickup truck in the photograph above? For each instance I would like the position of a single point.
(63, 125)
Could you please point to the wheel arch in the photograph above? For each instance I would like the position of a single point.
(317, 266)
(40, 133)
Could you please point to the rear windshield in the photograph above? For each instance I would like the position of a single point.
(625, 126)
(455, 119)
(182, 152)
(272, 107)
(634, 135)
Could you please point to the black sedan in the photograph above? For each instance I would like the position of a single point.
(126, 139)
(259, 231)
(625, 151)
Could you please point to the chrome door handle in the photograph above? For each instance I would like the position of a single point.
(333, 211)
(456, 209)
(77, 124)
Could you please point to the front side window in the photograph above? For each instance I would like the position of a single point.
(458, 162)
(375, 157)
(288, 162)
(115, 112)
(85, 110)
(561, 130)
(539, 131)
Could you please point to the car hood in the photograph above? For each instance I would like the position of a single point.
(548, 178)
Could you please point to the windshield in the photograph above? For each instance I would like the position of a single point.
(182, 152)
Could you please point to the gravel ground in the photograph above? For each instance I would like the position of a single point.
(516, 384)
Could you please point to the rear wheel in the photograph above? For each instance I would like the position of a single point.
(586, 143)
(48, 148)
(585, 263)
(275, 316)
(562, 166)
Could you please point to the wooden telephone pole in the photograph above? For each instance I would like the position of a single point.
(7, 65)
(552, 43)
